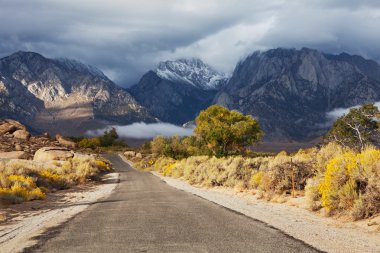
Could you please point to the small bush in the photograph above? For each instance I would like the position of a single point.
(21, 188)
(256, 179)
(52, 180)
(312, 194)
(91, 143)
(338, 172)
(103, 165)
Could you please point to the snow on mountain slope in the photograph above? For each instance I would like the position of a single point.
(191, 71)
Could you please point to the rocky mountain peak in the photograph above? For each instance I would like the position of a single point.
(191, 71)
(290, 91)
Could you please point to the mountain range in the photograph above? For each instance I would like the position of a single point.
(289, 91)
(62, 95)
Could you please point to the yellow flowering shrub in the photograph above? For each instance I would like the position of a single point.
(256, 179)
(53, 180)
(103, 165)
(167, 170)
(350, 183)
(338, 172)
(21, 188)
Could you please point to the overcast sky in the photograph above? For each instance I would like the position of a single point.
(125, 38)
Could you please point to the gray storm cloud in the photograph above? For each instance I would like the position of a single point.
(146, 131)
(127, 38)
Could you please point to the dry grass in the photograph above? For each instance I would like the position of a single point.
(23, 180)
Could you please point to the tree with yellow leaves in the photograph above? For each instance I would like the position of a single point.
(226, 132)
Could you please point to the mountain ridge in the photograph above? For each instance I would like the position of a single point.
(290, 91)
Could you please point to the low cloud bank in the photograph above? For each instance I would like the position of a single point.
(146, 131)
(338, 112)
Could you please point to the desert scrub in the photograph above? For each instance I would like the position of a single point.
(53, 180)
(325, 154)
(23, 180)
(269, 174)
(335, 178)
(339, 172)
(256, 179)
(312, 194)
(349, 184)
(17, 188)
(275, 174)
(103, 165)
(206, 171)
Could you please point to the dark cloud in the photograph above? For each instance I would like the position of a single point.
(125, 38)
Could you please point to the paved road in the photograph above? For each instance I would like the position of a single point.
(144, 214)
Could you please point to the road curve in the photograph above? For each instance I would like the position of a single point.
(144, 214)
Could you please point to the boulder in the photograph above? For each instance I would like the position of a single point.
(130, 153)
(10, 126)
(21, 134)
(13, 155)
(139, 155)
(53, 153)
(84, 157)
(18, 147)
(65, 142)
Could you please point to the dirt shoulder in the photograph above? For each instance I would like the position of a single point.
(324, 233)
(22, 222)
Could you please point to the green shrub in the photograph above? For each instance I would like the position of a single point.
(89, 143)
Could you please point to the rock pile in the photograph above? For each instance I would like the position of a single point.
(10, 126)
(17, 143)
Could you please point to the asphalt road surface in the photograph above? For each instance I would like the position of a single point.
(144, 214)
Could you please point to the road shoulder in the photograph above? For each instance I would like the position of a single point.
(323, 233)
(19, 233)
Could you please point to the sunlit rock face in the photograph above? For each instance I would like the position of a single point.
(62, 95)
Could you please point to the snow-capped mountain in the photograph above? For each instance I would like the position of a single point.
(178, 90)
(191, 71)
